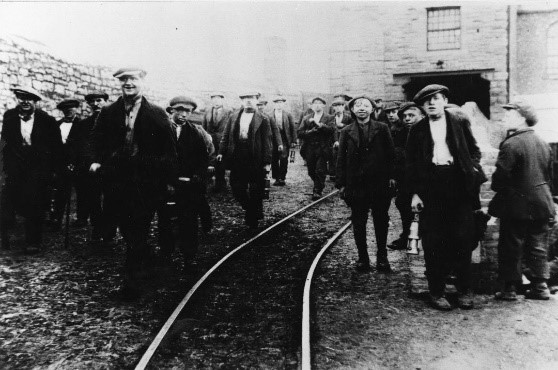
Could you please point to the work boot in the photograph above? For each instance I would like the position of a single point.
(398, 245)
(440, 303)
(538, 291)
(383, 266)
(277, 182)
(465, 301)
(508, 293)
(362, 265)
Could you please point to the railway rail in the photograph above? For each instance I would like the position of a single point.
(147, 356)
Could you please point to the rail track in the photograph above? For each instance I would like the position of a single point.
(292, 252)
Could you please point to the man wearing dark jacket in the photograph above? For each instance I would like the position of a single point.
(31, 154)
(365, 176)
(132, 144)
(283, 122)
(193, 159)
(444, 175)
(318, 134)
(521, 180)
(246, 149)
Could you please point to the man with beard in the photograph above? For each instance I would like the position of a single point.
(318, 134)
(282, 122)
(365, 177)
(340, 120)
(247, 150)
(31, 154)
(133, 146)
(444, 175)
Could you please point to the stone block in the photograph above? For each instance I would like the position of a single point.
(59, 89)
(37, 85)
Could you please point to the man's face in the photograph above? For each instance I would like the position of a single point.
(261, 107)
(181, 114)
(26, 103)
(69, 112)
(249, 102)
(279, 105)
(131, 85)
(362, 108)
(217, 101)
(412, 116)
(512, 119)
(96, 104)
(318, 106)
(338, 109)
(392, 115)
(434, 105)
(379, 103)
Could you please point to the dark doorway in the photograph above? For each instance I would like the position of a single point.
(463, 88)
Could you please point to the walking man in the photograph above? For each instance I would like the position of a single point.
(365, 176)
(444, 174)
(283, 122)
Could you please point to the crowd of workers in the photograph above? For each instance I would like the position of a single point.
(131, 159)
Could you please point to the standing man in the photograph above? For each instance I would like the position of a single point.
(365, 176)
(133, 147)
(214, 122)
(283, 122)
(318, 133)
(408, 115)
(66, 177)
(31, 153)
(193, 159)
(444, 174)
(340, 119)
(275, 135)
(247, 150)
(521, 180)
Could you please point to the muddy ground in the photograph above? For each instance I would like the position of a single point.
(60, 310)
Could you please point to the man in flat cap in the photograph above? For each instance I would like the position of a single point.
(214, 122)
(365, 178)
(32, 152)
(66, 179)
(246, 148)
(282, 122)
(133, 146)
(340, 119)
(276, 139)
(522, 182)
(193, 159)
(444, 175)
(318, 133)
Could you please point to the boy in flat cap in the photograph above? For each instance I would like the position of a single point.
(282, 122)
(32, 152)
(318, 134)
(246, 148)
(521, 180)
(444, 175)
(214, 122)
(133, 146)
(365, 177)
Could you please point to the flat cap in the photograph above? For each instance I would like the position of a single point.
(338, 101)
(279, 98)
(262, 101)
(318, 98)
(406, 106)
(353, 100)
(68, 103)
(217, 93)
(525, 109)
(391, 105)
(96, 94)
(27, 92)
(428, 91)
(181, 101)
(130, 71)
(249, 93)
(342, 95)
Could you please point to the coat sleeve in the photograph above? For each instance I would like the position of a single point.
(507, 159)
(205, 122)
(474, 149)
(304, 128)
(94, 149)
(275, 133)
(224, 144)
(292, 130)
(341, 165)
(57, 148)
(411, 158)
(267, 147)
(390, 152)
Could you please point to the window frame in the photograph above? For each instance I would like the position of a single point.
(443, 45)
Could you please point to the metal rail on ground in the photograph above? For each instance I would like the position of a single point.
(157, 341)
(306, 351)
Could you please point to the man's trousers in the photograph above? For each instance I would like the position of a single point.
(316, 161)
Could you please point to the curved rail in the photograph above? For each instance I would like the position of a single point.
(157, 341)
(306, 364)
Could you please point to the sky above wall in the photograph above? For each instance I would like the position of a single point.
(199, 44)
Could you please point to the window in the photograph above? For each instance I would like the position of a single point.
(552, 51)
(444, 28)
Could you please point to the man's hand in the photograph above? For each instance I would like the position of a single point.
(219, 157)
(280, 148)
(267, 167)
(211, 170)
(336, 144)
(392, 183)
(94, 167)
(416, 204)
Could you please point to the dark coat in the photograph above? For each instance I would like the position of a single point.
(193, 156)
(462, 145)
(319, 138)
(154, 165)
(522, 176)
(288, 128)
(364, 172)
(276, 139)
(42, 158)
(259, 136)
(215, 128)
(76, 142)
(400, 135)
(345, 121)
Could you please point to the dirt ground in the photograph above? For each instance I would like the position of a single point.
(60, 310)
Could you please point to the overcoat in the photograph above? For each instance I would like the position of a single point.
(259, 137)
(216, 127)
(317, 138)
(193, 155)
(462, 146)
(522, 177)
(355, 167)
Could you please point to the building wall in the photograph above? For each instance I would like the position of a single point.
(531, 73)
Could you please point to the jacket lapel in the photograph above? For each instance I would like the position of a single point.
(353, 134)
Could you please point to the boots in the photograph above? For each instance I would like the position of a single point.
(539, 291)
